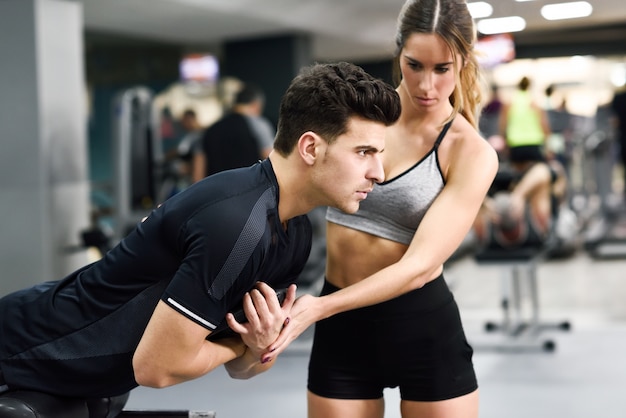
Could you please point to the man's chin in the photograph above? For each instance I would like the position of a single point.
(352, 208)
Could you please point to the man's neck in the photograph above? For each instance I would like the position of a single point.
(290, 178)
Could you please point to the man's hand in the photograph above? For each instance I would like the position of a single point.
(266, 317)
(303, 314)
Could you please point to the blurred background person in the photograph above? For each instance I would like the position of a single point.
(489, 118)
(618, 105)
(238, 139)
(489, 122)
(559, 142)
(524, 125)
(178, 169)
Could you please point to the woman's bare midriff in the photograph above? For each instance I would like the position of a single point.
(354, 255)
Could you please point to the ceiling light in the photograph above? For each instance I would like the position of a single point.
(520, 1)
(501, 25)
(480, 9)
(570, 10)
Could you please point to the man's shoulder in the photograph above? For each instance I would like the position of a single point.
(226, 124)
(230, 118)
(232, 184)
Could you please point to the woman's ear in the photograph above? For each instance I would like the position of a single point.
(308, 147)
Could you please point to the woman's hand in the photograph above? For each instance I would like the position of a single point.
(266, 317)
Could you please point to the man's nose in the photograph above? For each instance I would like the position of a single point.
(377, 172)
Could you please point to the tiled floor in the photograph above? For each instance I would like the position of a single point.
(584, 377)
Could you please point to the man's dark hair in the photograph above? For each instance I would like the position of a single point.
(323, 97)
(249, 93)
(189, 113)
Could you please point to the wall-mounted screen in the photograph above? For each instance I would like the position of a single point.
(495, 49)
(199, 68)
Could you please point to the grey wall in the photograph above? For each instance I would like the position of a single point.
(43, 160)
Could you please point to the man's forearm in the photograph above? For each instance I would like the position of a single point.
(246, 366)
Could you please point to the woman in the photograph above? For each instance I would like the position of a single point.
(437, 172)
(524, 125)
(520, 206)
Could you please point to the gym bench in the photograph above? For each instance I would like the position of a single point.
(167, 414)
(30, 404)
(519, 283)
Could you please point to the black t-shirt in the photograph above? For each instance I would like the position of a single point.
(229, 143)
(200, 251)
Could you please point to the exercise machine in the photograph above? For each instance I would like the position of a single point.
(519, 301)
(138, 157)
(521, 322)
(605, 235)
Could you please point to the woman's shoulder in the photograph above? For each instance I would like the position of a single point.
(463, 133)
(464, 141)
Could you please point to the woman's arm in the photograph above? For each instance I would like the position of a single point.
(472, 168)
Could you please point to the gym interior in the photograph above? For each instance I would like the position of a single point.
(89, 86)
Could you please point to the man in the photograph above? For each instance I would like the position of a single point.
(142, 315)
(618, 106)
(179, 160)
(239, 139)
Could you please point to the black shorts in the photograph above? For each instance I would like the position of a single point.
(415, 342)
(526, 153)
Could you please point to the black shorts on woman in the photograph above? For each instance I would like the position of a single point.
(415, 342)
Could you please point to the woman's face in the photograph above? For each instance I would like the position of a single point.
(427, 68)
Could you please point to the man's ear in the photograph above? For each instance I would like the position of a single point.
(309, 147)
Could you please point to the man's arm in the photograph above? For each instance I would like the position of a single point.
(265, 319)
(174, 349)
(264, 133)
(198, 166)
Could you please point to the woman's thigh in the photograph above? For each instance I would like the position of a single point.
(320, 407)
(465, 406)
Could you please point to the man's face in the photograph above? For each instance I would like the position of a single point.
(352, 164)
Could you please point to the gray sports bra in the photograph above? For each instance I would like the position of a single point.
(395, 208)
